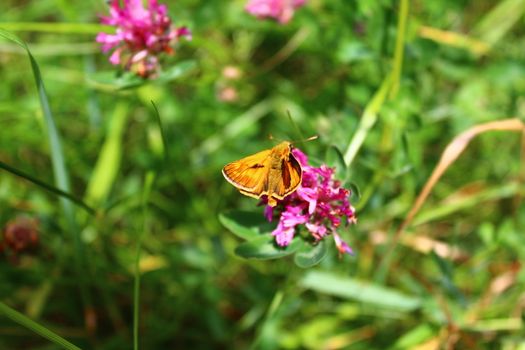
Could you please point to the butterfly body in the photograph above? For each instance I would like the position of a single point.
(274, 172)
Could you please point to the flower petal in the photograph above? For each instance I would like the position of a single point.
(115, 57)
(341, 245)
(268, 213)
(320, 203)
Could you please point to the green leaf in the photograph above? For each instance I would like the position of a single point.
(176, 71)
(405, 143)
(264, 247)
(355, 190)
(447, 279)
(108, 162)
(353, 51)
(310, 255)
(334, 157)
(245, 224)
(350, 288)
(496, 325)
(109, 80)
(414, 337)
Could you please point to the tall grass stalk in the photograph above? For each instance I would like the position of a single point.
(389, 88)
(148, 183)
(59, 168)
(25, 321)
(46, 186)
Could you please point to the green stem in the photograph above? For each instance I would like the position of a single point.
(63, 28)
(399, 50)
(389, 85)
(148, 183)
(272, 308)
(368, 120)
(25, 321)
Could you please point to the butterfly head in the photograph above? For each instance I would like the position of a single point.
(283, 149)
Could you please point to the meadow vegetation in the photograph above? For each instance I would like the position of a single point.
(111, 184)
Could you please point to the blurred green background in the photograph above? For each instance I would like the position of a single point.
(452, 279)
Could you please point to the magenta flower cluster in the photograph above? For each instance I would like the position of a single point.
(280, 10)
(141, 35)
(320, 204)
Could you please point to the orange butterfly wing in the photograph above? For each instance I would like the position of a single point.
(291, 175)
(250, 174)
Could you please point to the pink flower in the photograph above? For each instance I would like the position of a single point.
(280, 10)
(320, 204)
(142, 34)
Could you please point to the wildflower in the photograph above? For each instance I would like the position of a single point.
(20, 234)
(320, 204)
(280, 10)
(142, 34)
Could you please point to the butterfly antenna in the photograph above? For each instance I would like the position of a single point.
(294, 124)
(314, 137)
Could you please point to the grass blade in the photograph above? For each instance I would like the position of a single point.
(59, 168)
(449, 156)
(148, 184)
(499, 21)
(390, 85)
(453, 39)
(235, 127)
(400, 46)
(57, 157)
(368, 120)
(24, 321)
(162, 132)
(47, 187)
(62, 28)
(507, 190)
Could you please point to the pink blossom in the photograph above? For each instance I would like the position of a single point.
(141, 35)
(320, 204)
(280, 10)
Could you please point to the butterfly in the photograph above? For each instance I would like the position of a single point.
(273, 172)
